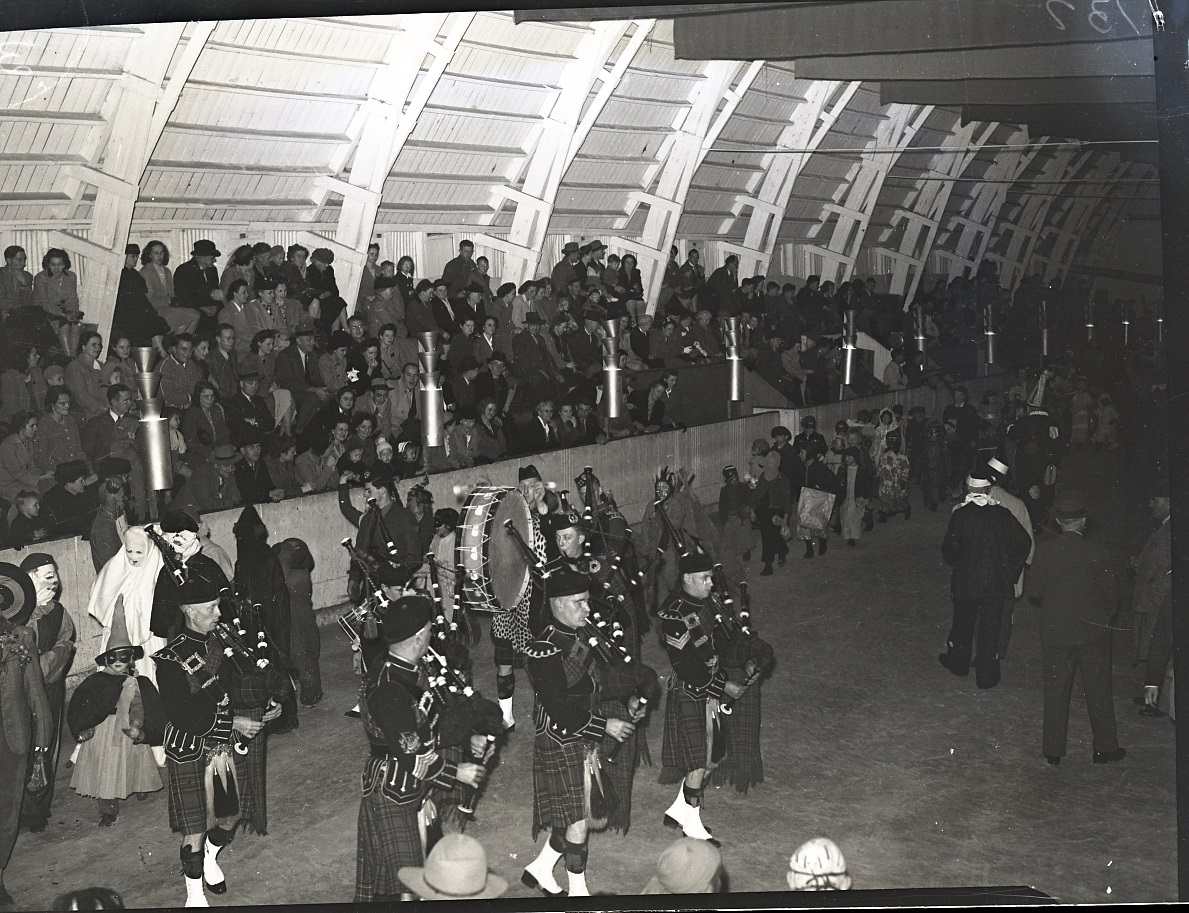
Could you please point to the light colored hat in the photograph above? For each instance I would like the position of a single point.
(687, 866)
(455, 870)
(818, 865)
(998, 465)
(976, 482)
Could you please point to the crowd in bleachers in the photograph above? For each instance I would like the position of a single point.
(275, 387)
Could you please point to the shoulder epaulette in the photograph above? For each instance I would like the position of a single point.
(541, 649)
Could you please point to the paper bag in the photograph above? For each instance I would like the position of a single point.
(814, 509)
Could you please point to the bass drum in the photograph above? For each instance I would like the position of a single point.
(494, 571)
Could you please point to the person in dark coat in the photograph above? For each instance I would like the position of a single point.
(26, 717)
(987, 548)
(1075, 585)
(1039, 447)
(961, 446)
(305, 643)
(260, 577)
(458, 271)
(252, 477)
(196, 285)
(179, 530)
(719, 295)
(54, 636)
(135, 316)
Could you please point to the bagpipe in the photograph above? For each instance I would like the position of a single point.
(744, 648)
(602, 632)
(369, 599)
(169, 556)
(251, 649)
(464, 712)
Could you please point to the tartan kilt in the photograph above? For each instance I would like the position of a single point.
(388, 838)
(622, 773)
(743, 765)
(684, 746)
(558, 784)
(186, 789)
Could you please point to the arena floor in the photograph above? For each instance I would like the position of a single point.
(921, 779)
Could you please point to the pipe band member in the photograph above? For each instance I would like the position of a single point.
(401, 721)
(570, 794)
(692, 741)
(214, 744)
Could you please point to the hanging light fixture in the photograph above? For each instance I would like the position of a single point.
(730, 334)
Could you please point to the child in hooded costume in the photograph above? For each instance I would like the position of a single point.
(893, 480)
(305, 643)
(116, 716)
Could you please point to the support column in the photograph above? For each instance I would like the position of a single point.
(811, 121)
(929, 204)
(395, 100)
(854, 214)
(565, 128)
(139, 107)
(693, 139)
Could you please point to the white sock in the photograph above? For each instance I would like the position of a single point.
(506, 708)
(195, 896)
(577, 884)
(212, 874)
(541, 868)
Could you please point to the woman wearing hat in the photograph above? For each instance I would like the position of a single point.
(196, 284)
(28, 721)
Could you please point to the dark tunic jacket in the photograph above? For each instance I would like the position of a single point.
(987, 548)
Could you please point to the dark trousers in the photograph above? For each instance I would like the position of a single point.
(37, 807)
(1060, 663)
(977, 624)
(772, 542)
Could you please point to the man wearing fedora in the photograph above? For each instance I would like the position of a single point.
(400, 719)
(26, 720)
(532, 365)
(1076, 587)
(567, 269)
(456, 869)
(987, 549)
(53, 632)
(196, 285)
(1017, 508)
(212, 486)
(298, 372)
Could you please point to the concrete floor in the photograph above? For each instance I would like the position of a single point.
(922, 779)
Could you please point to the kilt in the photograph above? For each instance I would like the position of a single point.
(186, 788)
(684, 746)
(743, 765)
(622, 773)
(388, 838)
(559, 791)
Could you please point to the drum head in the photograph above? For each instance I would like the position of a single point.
(496, 572)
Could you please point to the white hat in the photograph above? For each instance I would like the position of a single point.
(998, 465)
(818, 865)
(975, 482)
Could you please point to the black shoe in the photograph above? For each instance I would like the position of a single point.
(944, 659)
(1110, 757)
(781, 559)
(530, 881)
(352, 713)
(822, 545)
(850, 541)
(767, 571)
(1053, 759)
(808, 551)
